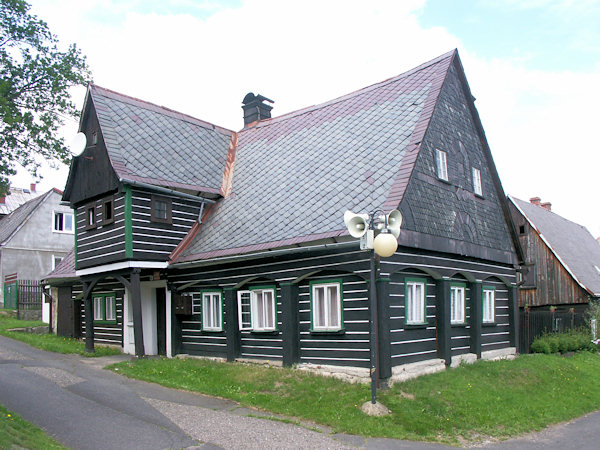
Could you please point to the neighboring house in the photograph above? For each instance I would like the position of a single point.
(15, 198)
(34, 238)
(562, 258)
(200, 240)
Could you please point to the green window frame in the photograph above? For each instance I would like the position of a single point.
(326, 305)
(104, 307)
(257, 309)
(488, 309)
(415, 301)
(458, 301)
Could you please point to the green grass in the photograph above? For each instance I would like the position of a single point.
(471, 403)
(49, 342)
(18, 433)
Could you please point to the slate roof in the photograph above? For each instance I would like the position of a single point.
(64, 270)
(572, 243)
(11, 223)
(295, 175)
(17, 197)
(156, 145)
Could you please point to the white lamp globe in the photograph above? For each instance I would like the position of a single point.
(385, 244)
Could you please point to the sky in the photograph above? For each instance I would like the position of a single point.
(533, 66)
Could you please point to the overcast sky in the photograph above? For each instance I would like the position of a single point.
(533, 65)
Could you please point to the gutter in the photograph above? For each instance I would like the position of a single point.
(163, 190)
(258, 255)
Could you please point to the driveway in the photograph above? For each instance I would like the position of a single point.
(85, 407)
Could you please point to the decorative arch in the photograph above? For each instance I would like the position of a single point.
(426, 271)
(466, 275)
(500, 278)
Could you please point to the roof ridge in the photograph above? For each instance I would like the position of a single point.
(157, 108)
(352, 94)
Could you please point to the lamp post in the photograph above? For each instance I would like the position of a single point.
(365, 226)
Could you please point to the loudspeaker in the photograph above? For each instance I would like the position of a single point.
(357, 224)
(394, 220)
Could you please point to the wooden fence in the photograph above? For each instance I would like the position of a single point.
(533, 324)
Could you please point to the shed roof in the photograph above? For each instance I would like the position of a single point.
(571, 243)
(295, 175)
(65, 270)
(154, 144)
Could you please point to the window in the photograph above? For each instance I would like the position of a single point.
(212, 311)
(521, 229)
(256, 309)
(94, 138)
(477, 182)
(415, 302)
(63, 222)
(442, 166)
(457, 304)
(489, 305)
(56, 261)
(108, 211)
(105, 308)
(90, 217)
(161, 209)
(326, 306)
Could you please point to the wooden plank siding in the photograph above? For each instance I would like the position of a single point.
(106, 333)
(155, 240)
(349, 347)
(105, 243)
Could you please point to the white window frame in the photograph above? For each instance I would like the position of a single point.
(415, 302)
(441, 160)
(64, 222)
(55, 262)
(477, 188)
(212, 311)
(457, 304)
(251, 302)
(104, 307)
(489, 305)
(332, 319)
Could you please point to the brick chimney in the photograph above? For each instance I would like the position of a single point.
(32, 187)
(547, 206)
(255, 110)
(2, 200)
(535, 201)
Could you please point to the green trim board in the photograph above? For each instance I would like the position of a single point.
(339, 283)
(128, 222)
(422, 281)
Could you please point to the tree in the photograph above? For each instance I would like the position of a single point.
(35, 78)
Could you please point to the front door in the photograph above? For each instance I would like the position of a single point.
(161, 320)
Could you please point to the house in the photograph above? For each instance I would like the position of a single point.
(15, 198)
(33, 240)
(562, 258)
(194, 239)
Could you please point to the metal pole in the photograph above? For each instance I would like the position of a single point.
(373, 308)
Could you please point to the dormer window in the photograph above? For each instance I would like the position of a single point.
(442, 165)
(477, 189)
(161, 209)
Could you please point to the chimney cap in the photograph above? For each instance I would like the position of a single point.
(250, 97)
(535, 200)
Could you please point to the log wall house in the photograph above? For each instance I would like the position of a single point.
(199, 240)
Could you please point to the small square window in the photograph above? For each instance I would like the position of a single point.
(441, 164)
(108, 211)
(457, 304)
(477, 189)
(521, 229)
(56, 261)
(161, 209)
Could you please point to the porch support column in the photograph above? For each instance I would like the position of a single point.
(289, 323)
(136, 304)
(513, 316)
(476, 316)
(232, 328)
(89, 319)
(383, 325)
(442, 308)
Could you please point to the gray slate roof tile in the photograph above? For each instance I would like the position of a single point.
(571, 242)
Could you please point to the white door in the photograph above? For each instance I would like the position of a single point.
(128, 336)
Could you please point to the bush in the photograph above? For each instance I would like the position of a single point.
(568, 341)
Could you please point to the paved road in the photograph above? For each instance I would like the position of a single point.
(85, 407)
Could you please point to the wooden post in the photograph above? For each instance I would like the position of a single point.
(513, 316)
(476, 318)
(89, 319)
(289, 323)
(383, 324)
(232, 329)
(442, 308)
(136, 304)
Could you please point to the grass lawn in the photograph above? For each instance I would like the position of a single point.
(472, 403)
(18, 433)
(49, 342)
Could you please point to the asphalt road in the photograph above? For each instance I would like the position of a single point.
(85, 407)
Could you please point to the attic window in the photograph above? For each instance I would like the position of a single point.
(441, 164)
(477, 189)
(161, 209)
(108, 211)
(90, 217)
(522, 229)
(94, 138)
